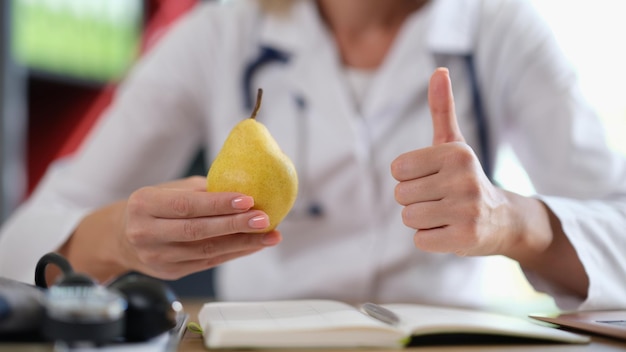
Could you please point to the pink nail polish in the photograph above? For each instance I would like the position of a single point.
(242, 203)
(259, 222)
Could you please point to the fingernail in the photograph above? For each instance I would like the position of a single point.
(270, 239)
(242, 203)
(259, 222)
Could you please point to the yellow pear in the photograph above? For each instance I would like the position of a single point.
(252, 163)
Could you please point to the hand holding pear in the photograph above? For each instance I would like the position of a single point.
(251, 162)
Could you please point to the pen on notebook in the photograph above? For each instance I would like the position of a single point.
(380, 313)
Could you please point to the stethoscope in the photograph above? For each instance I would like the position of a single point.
(313, 208)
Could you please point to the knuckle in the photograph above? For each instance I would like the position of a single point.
(232, 224)
(213, 206)
(408, 191)
(407, 217)
(137, 201)
(213, 262)
(399, 193)
(420, 243)
(135, 235)
(471, 189)
(191, 230)
(400, 167)
(181, 206)
(395, 168)
(462, 155)
(209, 249)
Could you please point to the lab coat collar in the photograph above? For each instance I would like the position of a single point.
(303, 36)
(452, 29)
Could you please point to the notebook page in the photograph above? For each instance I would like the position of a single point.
(432, 319)
(286, 315)
(291, 323)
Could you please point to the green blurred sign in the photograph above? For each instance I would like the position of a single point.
(88, 39)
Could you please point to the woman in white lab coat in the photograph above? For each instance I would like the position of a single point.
(347, 98)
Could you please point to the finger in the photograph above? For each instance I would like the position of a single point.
(428, 161)
(218, 247)
(425, 189)
(174, 271)
(176, 203)
(415, 164)
(427, 215)
(195, 229)
(441, 102)
(445, 239)
(192, 183)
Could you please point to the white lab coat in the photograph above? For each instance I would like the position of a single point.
(187, 93)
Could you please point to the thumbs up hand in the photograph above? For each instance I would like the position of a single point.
(446, 196)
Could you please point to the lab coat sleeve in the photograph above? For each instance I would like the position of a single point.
(596, 230)
(534, 102)
(148, 136)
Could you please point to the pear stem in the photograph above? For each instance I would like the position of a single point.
(257, 106)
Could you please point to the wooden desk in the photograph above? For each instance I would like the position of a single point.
(192, 342)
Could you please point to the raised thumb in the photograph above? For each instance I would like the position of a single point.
(441, 102)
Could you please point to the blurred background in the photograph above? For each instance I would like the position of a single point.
(60, 61)
(592, 34)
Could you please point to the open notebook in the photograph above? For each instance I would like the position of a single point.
(327, 323)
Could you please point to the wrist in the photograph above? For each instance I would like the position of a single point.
(93, 246)
(530, 231)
